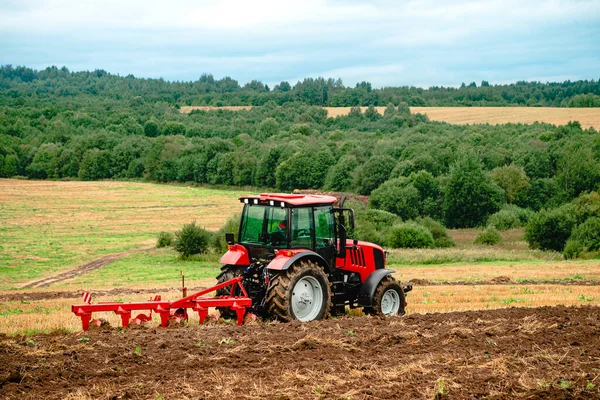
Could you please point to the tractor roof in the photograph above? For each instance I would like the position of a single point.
(295, 200)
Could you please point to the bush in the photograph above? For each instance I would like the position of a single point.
(411, 235)
(231, 226)
(588, 234)
(438, 231)
(550, 229)
(164, 239)
(375, 226)
(192, 239)
(586, 206)
(509, 217)
(489, 236)
(372, 225)
(573, 249)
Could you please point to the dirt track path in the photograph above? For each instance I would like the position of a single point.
(82, 269)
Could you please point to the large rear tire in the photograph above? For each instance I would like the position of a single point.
(228, 272)
(388, 300)
(302, 293)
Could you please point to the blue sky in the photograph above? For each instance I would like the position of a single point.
(389, 43)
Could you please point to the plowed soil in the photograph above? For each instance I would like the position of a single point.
(550, 352)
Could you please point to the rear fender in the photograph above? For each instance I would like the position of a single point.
(283, 260)
(367, 290)
(236, 255)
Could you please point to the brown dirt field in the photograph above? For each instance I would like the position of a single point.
(549, 352)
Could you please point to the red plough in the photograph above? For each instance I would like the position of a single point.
(170, 310)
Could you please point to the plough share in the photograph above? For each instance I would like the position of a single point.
(171, 310)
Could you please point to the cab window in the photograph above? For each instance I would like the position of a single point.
(302, 228)
(324, 227)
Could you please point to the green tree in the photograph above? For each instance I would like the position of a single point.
(10, 165)
(340, 176)
(304, 170)
(268, 127)
(373, 173)
(94, 165)
(550, 229)
(151, 128)
(397, 196)
(471, 196)
(512, 179)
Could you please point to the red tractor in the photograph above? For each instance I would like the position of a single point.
(296, 262)
(293, 261)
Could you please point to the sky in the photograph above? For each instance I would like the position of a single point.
(386, 42)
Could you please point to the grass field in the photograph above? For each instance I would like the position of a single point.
(587, 117)
(49, 227)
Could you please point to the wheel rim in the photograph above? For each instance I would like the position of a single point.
(390, 303)
(307, 298)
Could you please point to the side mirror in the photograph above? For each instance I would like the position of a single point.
(351, 219)
(229, 238)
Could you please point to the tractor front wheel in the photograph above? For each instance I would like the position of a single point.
(300, 293)
(228, 272)
(388, 300)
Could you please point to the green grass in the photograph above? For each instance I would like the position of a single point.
(49, 227)
(155, 267)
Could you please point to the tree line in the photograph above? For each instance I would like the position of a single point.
(411, 167)
(21, 85)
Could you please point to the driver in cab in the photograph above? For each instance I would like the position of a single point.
(279, 235)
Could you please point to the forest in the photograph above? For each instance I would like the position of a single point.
(21, 85)
(55, 124)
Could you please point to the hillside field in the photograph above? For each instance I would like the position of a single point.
(587, 117)
(501, 321)
(51, 227)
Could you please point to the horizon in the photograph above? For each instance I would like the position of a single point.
(410, 43)
(241, 84)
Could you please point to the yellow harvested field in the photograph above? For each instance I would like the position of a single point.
(427, 299)
(587, 117)
(515, 271)
(55, 314)
(189, 109)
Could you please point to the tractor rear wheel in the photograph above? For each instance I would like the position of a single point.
(228, 272)
(302, 293)
(388, 300)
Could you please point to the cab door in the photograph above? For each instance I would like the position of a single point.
(324, 233)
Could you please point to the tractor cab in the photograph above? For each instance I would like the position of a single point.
(271, 222)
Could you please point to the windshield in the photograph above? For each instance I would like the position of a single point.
(264, 226)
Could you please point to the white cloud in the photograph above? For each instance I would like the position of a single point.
(380, 41)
